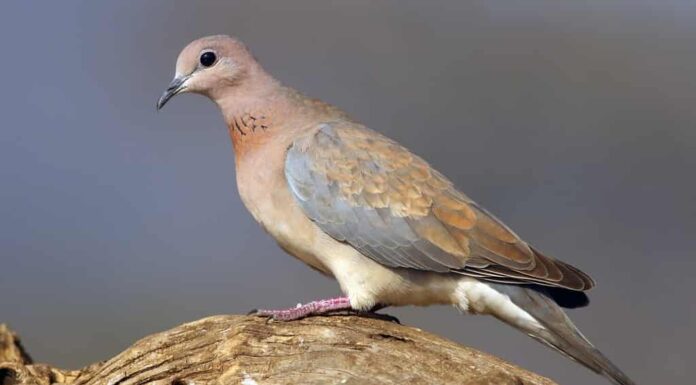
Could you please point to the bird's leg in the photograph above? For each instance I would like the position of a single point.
(311, 308)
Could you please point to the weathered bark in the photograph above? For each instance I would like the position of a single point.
(251, 350)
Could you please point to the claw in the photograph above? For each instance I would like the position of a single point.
(253, 312)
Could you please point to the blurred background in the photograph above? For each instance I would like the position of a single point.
(573, 121)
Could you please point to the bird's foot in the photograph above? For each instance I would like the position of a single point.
(334, 306)
(367, 314)
(380, 316)
(322, 306)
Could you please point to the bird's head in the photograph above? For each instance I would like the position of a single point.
(211, 66)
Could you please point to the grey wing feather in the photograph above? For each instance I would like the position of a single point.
(374, 231)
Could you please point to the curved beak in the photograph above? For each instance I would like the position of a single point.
(175, 87)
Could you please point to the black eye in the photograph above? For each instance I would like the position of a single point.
(208, 58)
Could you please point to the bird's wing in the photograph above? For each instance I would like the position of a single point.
(365, 189)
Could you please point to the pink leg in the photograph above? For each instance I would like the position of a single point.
(312, 308)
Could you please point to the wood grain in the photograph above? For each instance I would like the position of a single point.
(251, 350)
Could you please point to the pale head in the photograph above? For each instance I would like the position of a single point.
(213, 66)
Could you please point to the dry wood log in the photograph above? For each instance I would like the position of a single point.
(246, 350)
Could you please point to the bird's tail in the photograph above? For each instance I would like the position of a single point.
(558, 331)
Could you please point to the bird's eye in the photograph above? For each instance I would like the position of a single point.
(208, 58)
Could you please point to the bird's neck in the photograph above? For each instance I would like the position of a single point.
(254, 116)
(267, 112)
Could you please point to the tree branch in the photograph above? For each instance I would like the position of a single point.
(251, 350)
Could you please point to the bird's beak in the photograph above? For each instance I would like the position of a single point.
(175, 87)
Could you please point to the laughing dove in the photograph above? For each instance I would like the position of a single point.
(359, 207)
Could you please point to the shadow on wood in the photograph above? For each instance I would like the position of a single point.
(250, 350)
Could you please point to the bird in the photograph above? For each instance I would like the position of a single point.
(359, 207)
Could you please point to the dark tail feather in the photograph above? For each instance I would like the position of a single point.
(560, 333)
